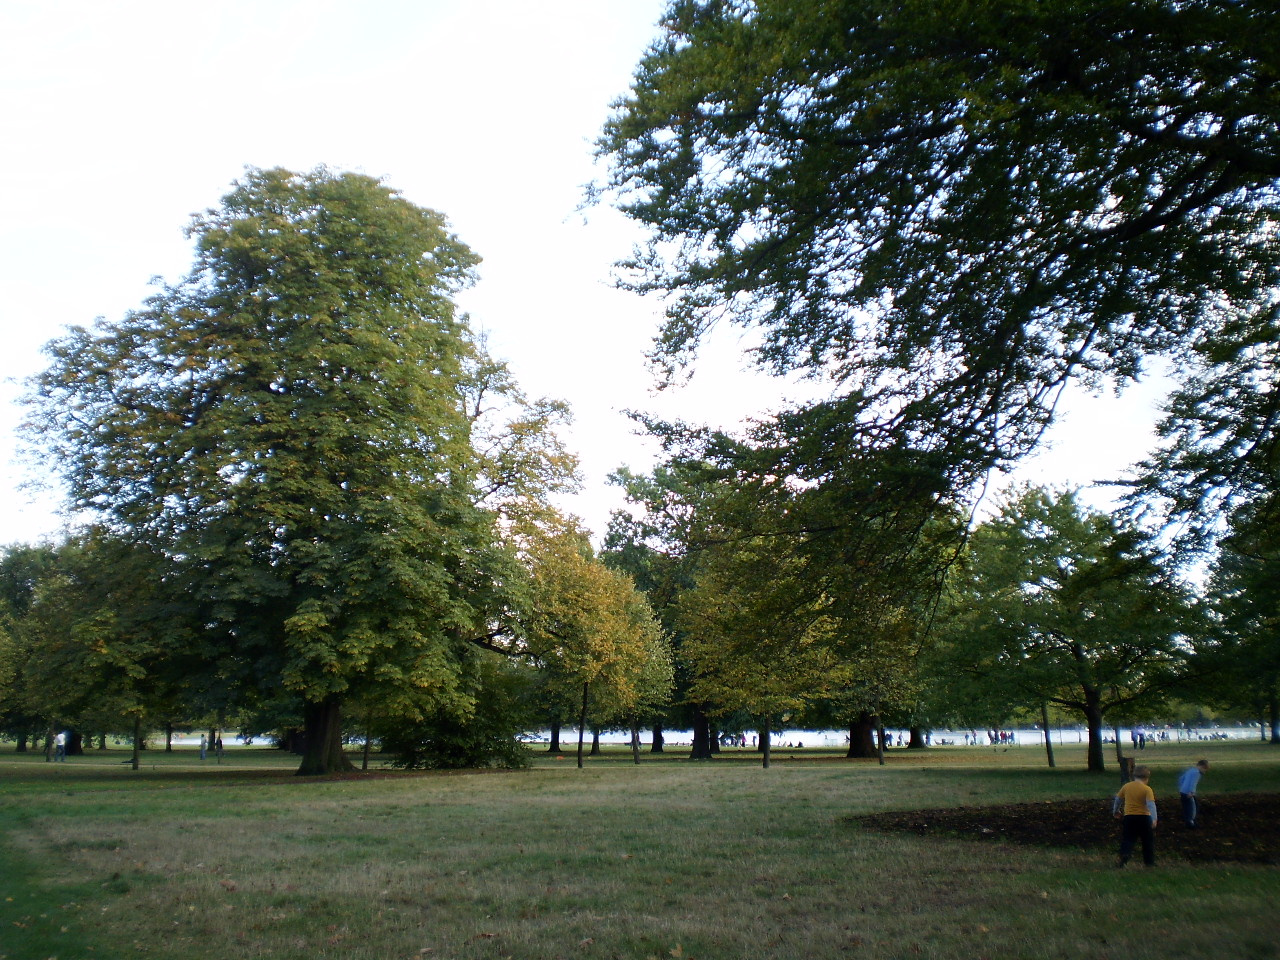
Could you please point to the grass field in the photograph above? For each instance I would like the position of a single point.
(668, 859)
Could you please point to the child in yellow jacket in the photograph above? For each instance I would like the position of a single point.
(1135, 808)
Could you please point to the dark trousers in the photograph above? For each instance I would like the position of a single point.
(1135, 828)
(1189, 809)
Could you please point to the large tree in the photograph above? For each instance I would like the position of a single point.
(101, 635)
(288, 428)
(1059, 605)
(24, 711)
(953, 209)
(1243, 666)
(590, 630)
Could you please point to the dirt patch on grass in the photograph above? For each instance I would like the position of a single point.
(1237, 828)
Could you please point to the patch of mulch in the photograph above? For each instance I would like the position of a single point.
(1234, 828)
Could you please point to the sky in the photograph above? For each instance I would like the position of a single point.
(121, 120)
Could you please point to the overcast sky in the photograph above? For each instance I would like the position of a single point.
(122, 119)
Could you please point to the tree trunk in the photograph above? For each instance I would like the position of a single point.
(137, 741)
(595, 743)
(1044, 725)
(554, 745)
(1093, 720)
(713, 739)
(1275, 718)
(861, 740)
(322, 726)
(917, 739)
(635, 743)
(879, 741)
(658, 741)
(168, 736)
(701, 749)
(582, 721)
(765, 737)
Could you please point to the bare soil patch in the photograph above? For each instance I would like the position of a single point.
(1234, 828)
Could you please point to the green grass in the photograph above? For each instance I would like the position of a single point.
(667, 859)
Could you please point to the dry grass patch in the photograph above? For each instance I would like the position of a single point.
(663, 860)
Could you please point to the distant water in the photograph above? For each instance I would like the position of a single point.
(840, 738)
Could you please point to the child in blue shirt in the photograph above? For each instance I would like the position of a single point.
(1187, 784)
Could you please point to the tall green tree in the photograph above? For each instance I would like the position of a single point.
(952, 210)
(287, 428)
(750, 647)
(101, 631)
(1060, 605)
(23, 707)
(1243, 666)
(590, 629)
(650, 542)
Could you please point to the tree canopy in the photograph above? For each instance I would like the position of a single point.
(952, 210)
(1060, 605)
(292, 429)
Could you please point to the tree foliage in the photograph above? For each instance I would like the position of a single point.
(1243, 664)
(1060, 605)
(589, 629)
(951, 210)
(24, 706)
(291, 429)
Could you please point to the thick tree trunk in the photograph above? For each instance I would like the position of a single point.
(635, 743)
(701, 749)
(658, 740)
(1095, 751)
(168, 736)
(595, 743)
(879, 741)
(861, 736)
(917, 740)
(323, 751)
(765, 738)
(1044, 725)
(554, 745)
(1093, 721)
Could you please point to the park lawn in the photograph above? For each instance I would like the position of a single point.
(667, 859)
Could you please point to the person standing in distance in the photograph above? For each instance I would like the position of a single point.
(1187, 783)
(1135, 808)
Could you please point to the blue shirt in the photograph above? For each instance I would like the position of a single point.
(1190, 777)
